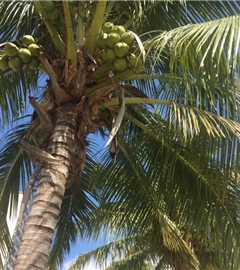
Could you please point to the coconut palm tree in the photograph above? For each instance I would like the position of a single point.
(167, 94)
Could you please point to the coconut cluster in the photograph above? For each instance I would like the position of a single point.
(115, 45)
(53, 11)
(202, 241)
(15, 57)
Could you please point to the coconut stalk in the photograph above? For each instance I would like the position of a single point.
(70, 46)
(115, 79)
(51, 29)
(102, 71)
(80, 27)
(42, 68)
(153, 77)
(95, 27)
(115, 101)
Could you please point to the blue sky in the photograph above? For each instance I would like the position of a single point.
(81, 247)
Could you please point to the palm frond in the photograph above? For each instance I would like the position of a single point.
(149, 16)
(205, 56)
(15, 170)
(15, 167)
(169, 182)
(15, 87)
(17, 19)
(115, 249)
(5, 241)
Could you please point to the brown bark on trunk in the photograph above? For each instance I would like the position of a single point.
(35, 245)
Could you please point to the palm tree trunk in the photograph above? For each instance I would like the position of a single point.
(35, 245)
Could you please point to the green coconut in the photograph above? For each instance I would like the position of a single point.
(103, 55)
(15, 63)
(102, 41)
(128, 38)
(11, 49)
(107, 55)
(112, 39)
(111, 56)
(107, 27)
(207, 249)
(2, 54)
(119, 29)
(3, 63)
(57, 22)
(48, 5)
(121, 64)
(33, 63)
(34, 49)
(134, 61)
(121, 49)
(27, 40)
(53, 15)
(24, 55)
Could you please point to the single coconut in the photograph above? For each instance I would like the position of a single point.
(53, 15)
(48, 5)
(33, 63)
(107, 27)
(103, 55)
(11, 49)
(120, 64)
(102, 41)
(57, 22)
(112, 39)
(27, 40)
(134, 61)
(121, 49)
(34, 49)
(107, 55)
(24, 55)
(15, 63)
(3, 63)
(111, 56)
(207, 249)
(119, 29)
(128, 38)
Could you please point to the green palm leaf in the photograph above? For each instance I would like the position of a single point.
(164, 176)
(15, 87)
(15, 169)
(202, 55)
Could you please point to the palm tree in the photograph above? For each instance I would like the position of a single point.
(176, 170)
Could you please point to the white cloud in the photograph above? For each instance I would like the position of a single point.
(68, 263)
